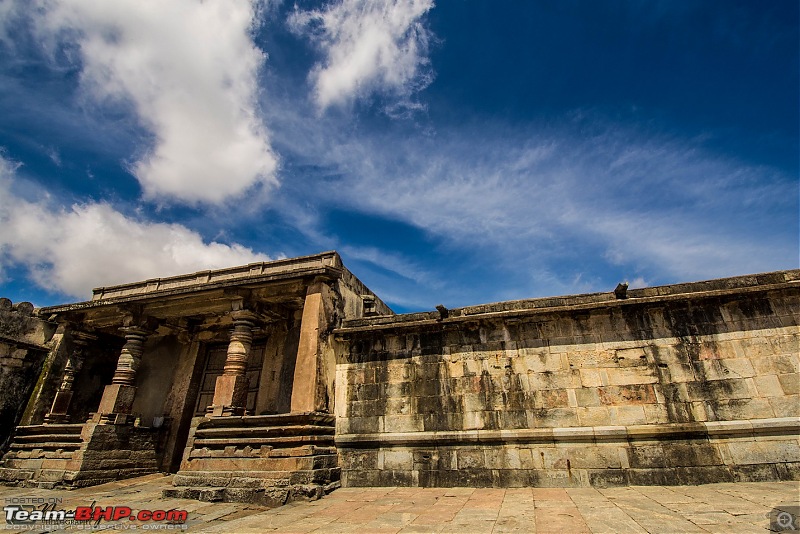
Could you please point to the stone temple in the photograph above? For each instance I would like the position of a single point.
(284, 380)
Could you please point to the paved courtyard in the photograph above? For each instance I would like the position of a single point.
(739, 507)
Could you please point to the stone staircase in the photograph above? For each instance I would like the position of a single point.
(268, 459)
(39, 455)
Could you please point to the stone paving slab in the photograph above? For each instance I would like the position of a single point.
(728, 507)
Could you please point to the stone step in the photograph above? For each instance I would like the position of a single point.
(288, 419)
(268, 431)
(45, 438)
(277, 442)
(207, 494)
(49, 429)
(51, 445)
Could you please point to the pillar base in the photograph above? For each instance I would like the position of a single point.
(58, 413)
(222, 411)
(230, 396)
(115, 406)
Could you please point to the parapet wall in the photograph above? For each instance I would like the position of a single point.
(673, 385)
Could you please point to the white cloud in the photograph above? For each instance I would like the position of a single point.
(190, 71)
(556, 202)
(369, 46)
(90, 245)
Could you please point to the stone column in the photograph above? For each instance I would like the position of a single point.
(115, 406)
(230, 391)
(307, 387)
(58, 411)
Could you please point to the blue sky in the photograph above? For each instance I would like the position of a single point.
(454, 152)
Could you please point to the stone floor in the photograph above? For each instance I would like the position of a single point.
(739, 507)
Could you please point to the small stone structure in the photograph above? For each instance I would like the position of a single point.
(282, 380)
(25, 341)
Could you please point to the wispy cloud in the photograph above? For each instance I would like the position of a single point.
(369, 47)
(393, 262)
(189, 70)
(587, 198)
(89, 245)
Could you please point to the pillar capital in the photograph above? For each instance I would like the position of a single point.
(245, 316)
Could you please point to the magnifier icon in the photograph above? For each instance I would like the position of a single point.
(786, 521)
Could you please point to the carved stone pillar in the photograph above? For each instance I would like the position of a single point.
(58, 411)
(115, 406)
(230, 391)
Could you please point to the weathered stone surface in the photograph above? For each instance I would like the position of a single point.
(690, 353)
(671, 385)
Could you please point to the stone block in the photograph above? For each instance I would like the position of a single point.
(554, 380)
(754, 473)
(361, 477)
(734, 388)
(627, 415)
(607, 478)
(515, 419)
(691, 453)
(587, 397)
(679, 372)
(702, 475)
(394, 423)
(475, 402)
(594, 416)
(555, 417)
(588, 456)
(591, 378)
(768, 386)
(734, 409)
(550, 398)
(365, 425)
(395, 478)
(626, 395)
(770, 364)
(542, 361)
(647, 457)
(471, 459)
(399, 459)
(651, 477)
(631, 376)
(790, 383)
(655, 413)
(358, 459)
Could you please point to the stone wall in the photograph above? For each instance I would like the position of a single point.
(23, 347)
(679, 384)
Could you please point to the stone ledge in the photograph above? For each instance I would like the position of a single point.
(596, 434)
(748, 284)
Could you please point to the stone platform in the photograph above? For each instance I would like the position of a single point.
(268, 459)
(76, 455)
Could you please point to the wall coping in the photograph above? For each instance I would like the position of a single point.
(520, 308)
